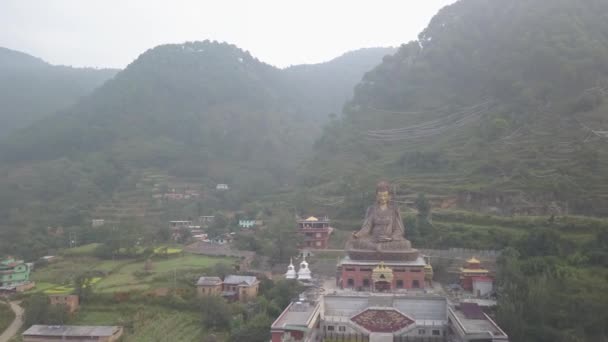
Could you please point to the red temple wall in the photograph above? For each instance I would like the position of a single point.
(408, 276)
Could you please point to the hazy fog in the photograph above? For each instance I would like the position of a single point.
(111, 33)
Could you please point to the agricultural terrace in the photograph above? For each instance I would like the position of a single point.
(124, 274)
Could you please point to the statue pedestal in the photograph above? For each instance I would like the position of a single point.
(391, 255)
(359, 274)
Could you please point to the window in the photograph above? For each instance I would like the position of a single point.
(416, 284)
(350, 282)
(436, 333)
(330, 328)
(365, 282)
(398, 270)
(318, 235)
(309, 235)
(399, 284)
(420, 331)
(415, 270)
(342, 328)
(365, 269)
(318, 243)
(350, 269)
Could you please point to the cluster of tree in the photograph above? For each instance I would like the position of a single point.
(489, 93)
(550, 289)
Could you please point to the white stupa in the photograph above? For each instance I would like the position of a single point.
(291, 271)
(304, 271)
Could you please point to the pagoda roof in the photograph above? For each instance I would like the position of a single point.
(473, 260)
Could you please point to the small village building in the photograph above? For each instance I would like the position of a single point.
(315, 232)
(80, 333)
(180, 224)
(222, 187)
(209, 286)
(234, 287)
(206, 220)
(13, 272)
(247, 223)
(244, 288)
(96, 223)
(472, 270)
(70, 301)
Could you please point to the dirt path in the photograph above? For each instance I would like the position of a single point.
(13, 329)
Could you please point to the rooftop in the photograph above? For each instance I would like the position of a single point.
(239, 279)
(348, 261)
(297, 315)
(474, 321)
(418, 307)
(71, 330)
(208, 281)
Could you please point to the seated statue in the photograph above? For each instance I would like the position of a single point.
(382, 231)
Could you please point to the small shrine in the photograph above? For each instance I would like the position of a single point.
(291, 271)
(475, 278)
(304, 272)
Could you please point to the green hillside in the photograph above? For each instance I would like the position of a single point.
(31, 89)
(199, 113)
(497, 107)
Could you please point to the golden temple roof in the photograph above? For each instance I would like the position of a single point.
(473, 260)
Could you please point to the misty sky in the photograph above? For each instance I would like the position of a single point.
(112, 33)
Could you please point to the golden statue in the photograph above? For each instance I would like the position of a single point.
(382, 231)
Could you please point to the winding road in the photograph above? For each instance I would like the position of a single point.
(13, 329)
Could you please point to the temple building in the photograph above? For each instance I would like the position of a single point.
(475, 278)
(316, 232)
(383, 293)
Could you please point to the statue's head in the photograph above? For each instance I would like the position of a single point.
(383, 195)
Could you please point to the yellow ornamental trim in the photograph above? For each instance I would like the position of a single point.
(382, 273)
(473, 260)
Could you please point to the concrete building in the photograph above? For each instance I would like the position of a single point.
(80, 333)
(13, 272)
(469, 323)
(374, 317)
(316, 232)
(242, 288)
(70, 301)
(234, 287)
(209, 286)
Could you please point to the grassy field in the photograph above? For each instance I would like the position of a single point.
(120, 275)
(144, 322)
(6, 316)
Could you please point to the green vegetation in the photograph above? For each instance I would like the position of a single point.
(121, 275)
(32, 89)
(6, 316)
(492, 107)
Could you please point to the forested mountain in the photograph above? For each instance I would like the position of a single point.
(205, 111)
(497, 104)
(324, 88)
(31, 89)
